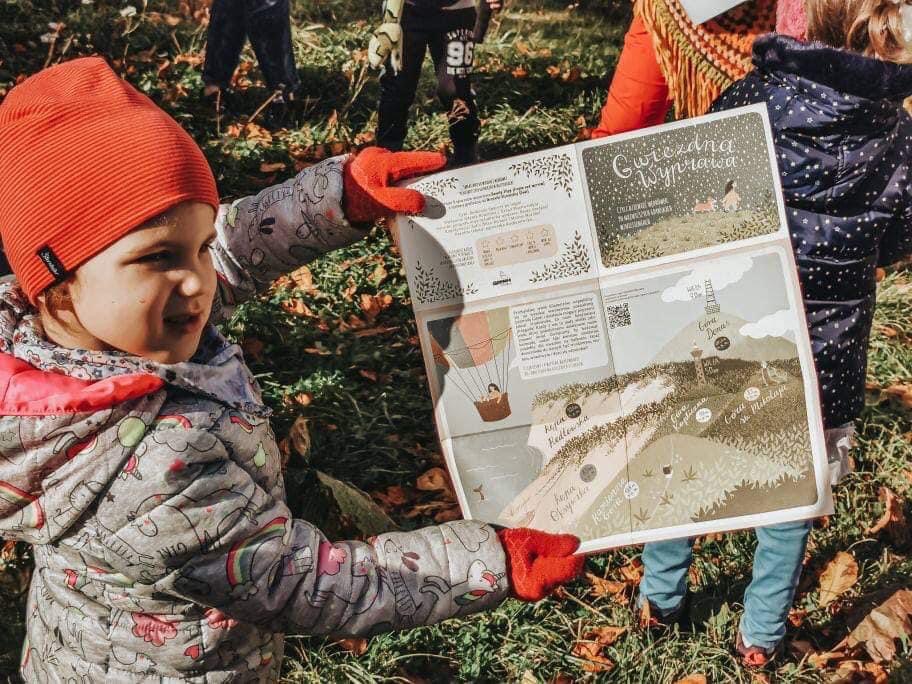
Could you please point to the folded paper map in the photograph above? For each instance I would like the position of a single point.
(614, 336)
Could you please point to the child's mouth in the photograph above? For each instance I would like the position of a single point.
(185, 323)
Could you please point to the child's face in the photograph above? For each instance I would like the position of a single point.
(150, 293)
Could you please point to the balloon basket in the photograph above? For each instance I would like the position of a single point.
(492, 410)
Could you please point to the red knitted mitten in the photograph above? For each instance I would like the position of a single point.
(370, 174)
(537, 561)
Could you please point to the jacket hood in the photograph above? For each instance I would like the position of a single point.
(836, 115)
(848, 73)
(71, 419)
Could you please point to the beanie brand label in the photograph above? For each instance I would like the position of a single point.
(46, 254)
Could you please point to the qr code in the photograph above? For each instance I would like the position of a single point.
(618, 316)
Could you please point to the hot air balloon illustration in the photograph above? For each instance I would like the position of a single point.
(474, 352)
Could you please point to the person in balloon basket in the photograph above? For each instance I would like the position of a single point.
(138, 458)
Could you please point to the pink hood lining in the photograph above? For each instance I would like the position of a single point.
(28, 391)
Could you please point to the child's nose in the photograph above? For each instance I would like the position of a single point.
(191, 284)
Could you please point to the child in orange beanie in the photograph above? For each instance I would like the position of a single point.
(137, 457)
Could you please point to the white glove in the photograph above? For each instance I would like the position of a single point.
(386, 43)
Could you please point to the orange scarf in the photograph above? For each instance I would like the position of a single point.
(700, 61)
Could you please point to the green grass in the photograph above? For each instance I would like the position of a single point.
(377, 433)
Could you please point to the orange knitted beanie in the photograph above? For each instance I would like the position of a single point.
(84, 159)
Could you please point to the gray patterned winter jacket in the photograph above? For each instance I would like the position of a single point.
(153, 497)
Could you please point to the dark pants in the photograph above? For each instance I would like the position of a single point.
(267, 24)
(448, 35)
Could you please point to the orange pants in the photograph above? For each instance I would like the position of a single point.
(638, 95)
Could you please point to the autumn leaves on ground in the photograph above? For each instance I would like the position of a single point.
(335, 349)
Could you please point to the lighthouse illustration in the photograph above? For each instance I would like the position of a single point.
(697, 355)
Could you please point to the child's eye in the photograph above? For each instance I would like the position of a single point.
(154, 258)
(206, 247)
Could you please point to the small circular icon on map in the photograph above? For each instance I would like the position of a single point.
(704, 415)
(573, 410)
(722, 343)
(752, 394)
(631, 489)
(588, 472)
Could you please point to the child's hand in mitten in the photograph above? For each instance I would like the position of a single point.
(537, 561)
(369, 175)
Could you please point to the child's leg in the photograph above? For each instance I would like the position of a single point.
(397, 91)
(269, 28)
(665, 566)
(224, 41)
(777, 568)
(638, 94)
(453, 53)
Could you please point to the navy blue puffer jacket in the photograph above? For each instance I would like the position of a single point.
(844, 147)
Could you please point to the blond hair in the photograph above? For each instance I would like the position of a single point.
(873, 28)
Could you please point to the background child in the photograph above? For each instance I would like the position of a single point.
(137, 456)
(268, 25)
(842, 143)
(447, 28)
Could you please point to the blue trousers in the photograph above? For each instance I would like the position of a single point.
(769, 596)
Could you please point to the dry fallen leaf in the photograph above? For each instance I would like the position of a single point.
(571, 75)
(356, 645)
(839, 575)
(900, 391)
(893, 519)
(560, 678)
(303, 280)
(372, 305)
(889, 621)
(448, 514)
(379, 274)
(297, 307)
(591, 653)
(371, 332)
(856, 671)
(391, 497)
(299, 436)
(822, 660)
(435, 479)
(520, 72)
(605, 635)
(692, 679)
(645, 615)
(632, 573)
(602, 587)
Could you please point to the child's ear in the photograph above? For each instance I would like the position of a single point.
(56, 298)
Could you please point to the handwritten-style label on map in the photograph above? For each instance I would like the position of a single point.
(516, 246)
